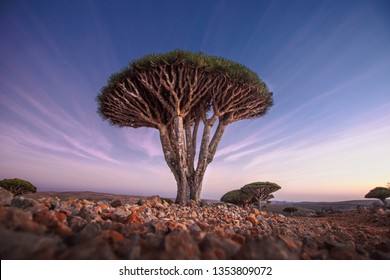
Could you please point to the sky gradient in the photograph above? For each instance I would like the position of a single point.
(327, 62)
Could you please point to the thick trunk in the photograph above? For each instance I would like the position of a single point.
(179, 147)
(196, 187)
(182, 168)
(171, 155)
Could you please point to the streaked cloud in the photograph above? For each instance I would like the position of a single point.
(328, 65)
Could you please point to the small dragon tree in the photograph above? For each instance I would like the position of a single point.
(177, 91)
(260, 191)
(380, 193)
(17, 186)
(236, 197)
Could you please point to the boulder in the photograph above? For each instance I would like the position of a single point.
(5, 197)
(22, 202)
(15, 245)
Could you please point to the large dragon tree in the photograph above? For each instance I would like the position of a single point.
(177, 91)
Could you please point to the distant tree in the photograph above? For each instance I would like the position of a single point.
(236, 197)
(290, 210)
(178, 93)
(380, 193)
(17, 186)
(260, 191)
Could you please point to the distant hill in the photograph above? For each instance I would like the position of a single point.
(93, 196)
(340, 205)
(96, 196)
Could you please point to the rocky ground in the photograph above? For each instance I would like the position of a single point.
(48, 227)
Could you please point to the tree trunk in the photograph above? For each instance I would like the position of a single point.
(196, 187)
(182, 168)
(179, 147)
(172, 153)
(259, 204)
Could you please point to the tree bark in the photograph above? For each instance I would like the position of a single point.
(182, 168)
(259, 203)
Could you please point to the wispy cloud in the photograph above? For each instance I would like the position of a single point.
(48, 126)
(145, 140)
(228, 150)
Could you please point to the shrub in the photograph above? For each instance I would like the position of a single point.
(17, 186)
(236, 197)
(290, 210)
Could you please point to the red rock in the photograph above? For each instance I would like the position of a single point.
(20, 220)
(76, 223)
(116, 203)
(265, 249)
(180, 246)
(218, 248)
(15, 245)
(90, 250)
(133, 218)
(61, 216)
(103, 206)
(203, 226)
(54, 221)
(87, 212)
(5, 197)
(111, 236)
(252, 218)
(238, 238)
(22, 202)
(159, 227)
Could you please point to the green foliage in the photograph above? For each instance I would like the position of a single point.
(212, 64)
(260, 191)
(380, 193)
(18, 186)
(268, 186)
(290, 210)
(251, 193)
(236, 197)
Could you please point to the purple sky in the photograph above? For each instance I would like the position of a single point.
(328, 63)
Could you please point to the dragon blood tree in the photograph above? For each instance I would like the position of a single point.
(177, 91)
(260, 191)
(380, 193)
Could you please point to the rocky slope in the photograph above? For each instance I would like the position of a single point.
(46, 227)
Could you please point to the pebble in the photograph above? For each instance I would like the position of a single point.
(155, 229)
(5, 197)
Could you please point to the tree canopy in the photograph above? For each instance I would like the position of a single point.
(236, 197)
(251, 193)
(17, 186)
(176, 91)
(260, 191)
(380, 193)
